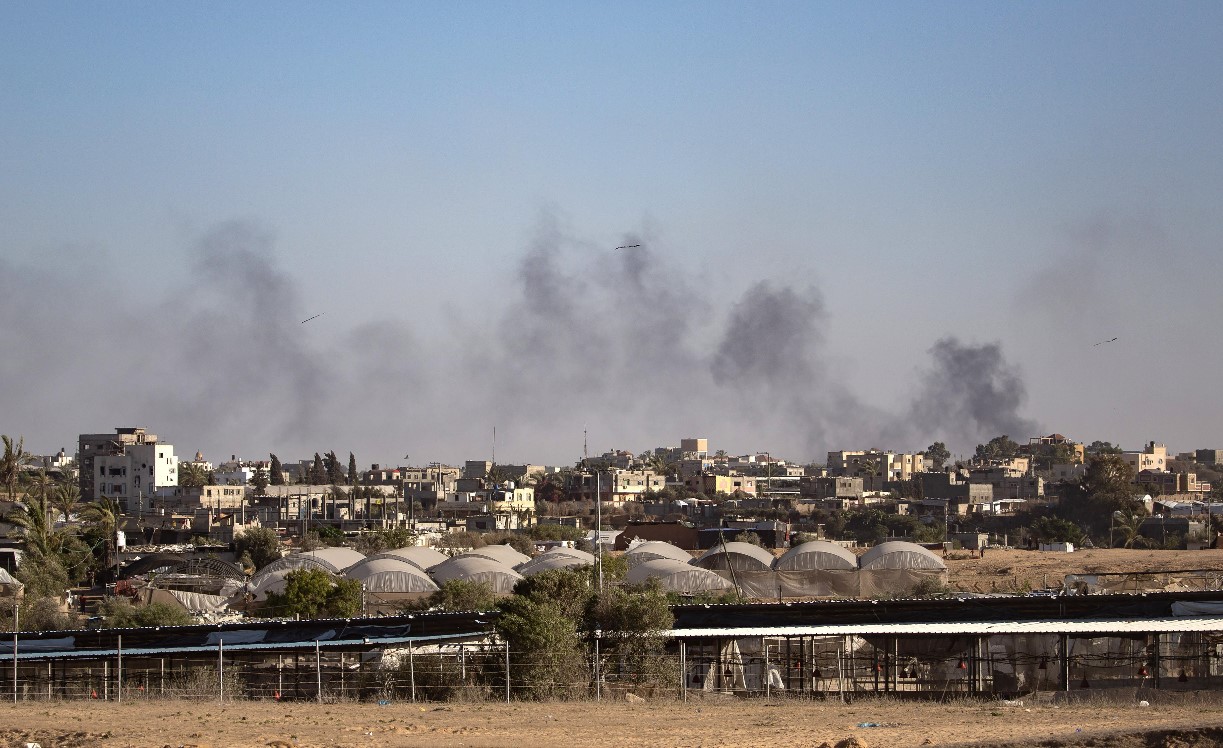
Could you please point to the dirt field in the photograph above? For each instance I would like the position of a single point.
(1015, 570)
(874, 723)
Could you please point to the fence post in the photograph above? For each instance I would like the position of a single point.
(16, 627)
(106, 680)
(683, 669)
(318, 670)
(768, 682)
(412, 670)
(221, 670)
(119, 668)
(507, 672)
(598, 667)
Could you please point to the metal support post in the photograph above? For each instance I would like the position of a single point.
(412, 670)
(221, 670)
(318, 671)
(683, 669)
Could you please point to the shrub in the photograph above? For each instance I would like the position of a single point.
(119, 613)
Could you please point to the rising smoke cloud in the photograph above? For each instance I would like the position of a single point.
(617, 342)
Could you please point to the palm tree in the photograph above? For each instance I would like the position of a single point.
(66, 497)
(33, 518)
(192, 475)
(1128, 528)
(104, 514)
(11, 463)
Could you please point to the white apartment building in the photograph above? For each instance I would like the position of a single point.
(134, 476)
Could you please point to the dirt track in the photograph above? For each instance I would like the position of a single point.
(706, 723)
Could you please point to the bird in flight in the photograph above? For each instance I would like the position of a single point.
(1102, 342)
(628, 246)
(320, 314)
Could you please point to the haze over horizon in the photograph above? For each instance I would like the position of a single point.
(859, 226)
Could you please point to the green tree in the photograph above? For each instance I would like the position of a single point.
(43, 575)
(462, 595)
(103, 515)
(260, 480)
(318, 474)
(35, 519)
(1099, 447)
(634, 622)
(335, 475)
(555, 532)
(867, 526)
(1125, 530)
(938, 455)
(1056, 530)
(261, 543)
(998, 448)
(542, 622)
(313, 593)
(193, 475)
(276, 471)
(11, 462)
(66, 499)
(44, 614)
(352, 469)
(120, 613)
(377, 541)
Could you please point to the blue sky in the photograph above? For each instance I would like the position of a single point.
(1041, 176)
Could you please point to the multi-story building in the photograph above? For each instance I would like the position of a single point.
(696, 448)
(129, 469)
(1153, 457)
(1042, 446)
(1209, 456)
(92, 446)
(890, 465)
(1172, 483)
(709, 484)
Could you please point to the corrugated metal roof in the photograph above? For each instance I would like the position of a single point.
(1098, 627)
(273, 646)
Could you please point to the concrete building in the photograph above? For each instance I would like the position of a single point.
(1209, 456)
(890, 465)
(130, 471)
(710, 484)
(1152, 457)
(841, 489)
(1040, 445)
(697, 448)
(1172, 483)
(92, 446)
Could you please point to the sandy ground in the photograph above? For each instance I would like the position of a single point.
(1018, 570)
(705, 723)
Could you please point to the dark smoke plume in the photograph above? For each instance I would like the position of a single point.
(617, 342)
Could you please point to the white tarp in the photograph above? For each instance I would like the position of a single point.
(677, 576)
(736, 555)
(477, 569)
(390, 574)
